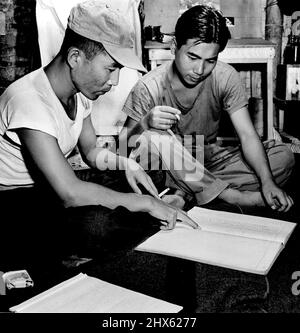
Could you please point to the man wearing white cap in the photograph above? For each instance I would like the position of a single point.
(46, 113)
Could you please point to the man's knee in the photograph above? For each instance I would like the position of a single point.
(93, 230)
(283, 155)
(142, 140)
(288, 157)
(281, 159)
(89, 227)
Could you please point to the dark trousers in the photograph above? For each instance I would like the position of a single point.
(35, 226)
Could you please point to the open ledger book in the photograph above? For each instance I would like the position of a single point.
(242, 242)
(86, 294)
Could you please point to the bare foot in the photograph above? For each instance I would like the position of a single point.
(243, 198)
(174, 200)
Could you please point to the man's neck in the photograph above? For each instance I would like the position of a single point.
(58, 74)
(178, 84)
(185, 96)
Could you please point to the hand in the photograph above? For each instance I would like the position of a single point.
(174, 200)
(135, 175)
(276, 198)
(161, 117)
(169, 215)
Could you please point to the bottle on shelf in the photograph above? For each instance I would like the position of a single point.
(292, 50)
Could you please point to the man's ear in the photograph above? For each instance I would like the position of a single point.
(173, 46)
(74, 57)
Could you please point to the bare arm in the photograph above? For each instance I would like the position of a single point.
(252, 147)
(44, 152)
(255, 155)
(49, 160)
(94, 155)
(104, 159)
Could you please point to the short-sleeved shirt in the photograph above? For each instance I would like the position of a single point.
(221, 91)
(30, 102)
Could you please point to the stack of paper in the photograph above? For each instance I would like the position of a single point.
(236, 241)
(85, 294)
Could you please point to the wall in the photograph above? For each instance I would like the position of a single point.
(249, 15)
(166, 12)
(18, 40)
(161, 12)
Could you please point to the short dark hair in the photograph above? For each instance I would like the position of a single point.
(90, 47)
(204, 23)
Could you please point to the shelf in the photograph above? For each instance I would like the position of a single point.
(283, 103)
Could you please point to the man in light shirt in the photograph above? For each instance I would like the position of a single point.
(44, 115)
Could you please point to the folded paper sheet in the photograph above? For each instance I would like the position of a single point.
(236, 241)
(86, 294)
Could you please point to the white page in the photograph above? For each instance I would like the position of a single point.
(242, 225)
(244, 254)
(85, 294)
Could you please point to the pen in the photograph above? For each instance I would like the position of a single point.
(164, 192)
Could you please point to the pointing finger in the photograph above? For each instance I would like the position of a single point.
(134, 186)
(184, 218)
(151, 189)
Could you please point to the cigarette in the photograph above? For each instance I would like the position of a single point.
(164, 192)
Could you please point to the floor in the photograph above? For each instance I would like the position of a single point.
(199, 288)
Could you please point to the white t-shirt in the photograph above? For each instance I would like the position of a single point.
(30, 102)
